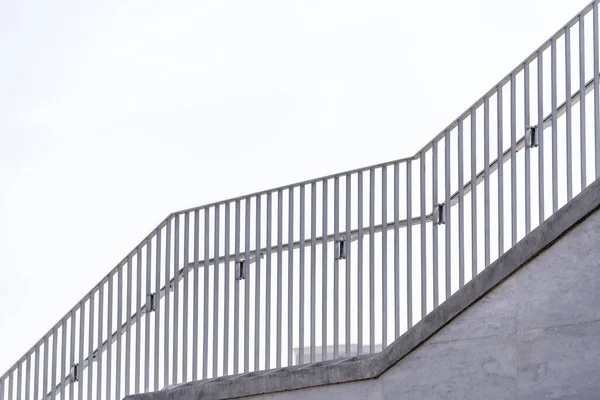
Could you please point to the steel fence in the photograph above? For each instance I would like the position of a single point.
(338, 266)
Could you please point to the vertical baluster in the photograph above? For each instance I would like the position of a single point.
(348, 242)
(100, 340)
(313, 269)
(236, 299)
(28, 380)
(167, 327)
(257, 286)
(301, 295)
(384, 256)
(247, 287)
(336, 265)
(513, 158)
(422, 228)
(324, 273)
(217, 273)
(486, 179)
(461, 207)
(540, 84)
(435, 228)
(206, 290)
(119, 337)
(447, 215)
(128, 327)
(396, 250)
(109, 327)
(128, 344)
(500, 116)
(20, 379)
(568, 117)
(186, 299)
(157, 309)
(54, 367)
(408, 244)
(138, 323)
(36, 381)
(71, 359)
(582, 123)
(147, 318)
(195, 295)
(554, 126)
(290, 302)
(371, 260)
(11, 387)
(473, 192)
(359, 280)
(279, 272)
(176, 278)
(268, 283)
(226, 289)
(527, 152)
(90, 358)
(63, 364)
(596, 93)
(205, 293)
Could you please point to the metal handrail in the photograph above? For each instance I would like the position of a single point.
(549, 121)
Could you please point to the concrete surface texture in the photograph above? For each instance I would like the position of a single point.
(528, 327)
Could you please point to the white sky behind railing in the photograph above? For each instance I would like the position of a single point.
(113, 114)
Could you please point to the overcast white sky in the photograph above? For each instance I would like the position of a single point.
(115, 113)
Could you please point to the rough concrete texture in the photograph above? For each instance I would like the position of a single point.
(528, 327)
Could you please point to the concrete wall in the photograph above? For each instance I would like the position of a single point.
(535, 336)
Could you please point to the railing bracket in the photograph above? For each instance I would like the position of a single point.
(439, 214)
(75, 373)
(151, 303)
(340, 249)
(240, 270)
(532, 136)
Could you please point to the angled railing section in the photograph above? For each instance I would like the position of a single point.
(338, 266)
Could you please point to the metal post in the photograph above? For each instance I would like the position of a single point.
(324, 274)
(408, 244)
(527, 153)
(582, 86)
(290, 316)
(372, 261)
(568, 113)
(500, 116)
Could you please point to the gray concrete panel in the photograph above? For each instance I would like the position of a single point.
(562, 286)
(362, 390)
(478, 368)
(493, 314)
(560, 362)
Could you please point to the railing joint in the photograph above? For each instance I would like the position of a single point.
(340, 249)
(240, 270)
(151, 303)
(532, 137)
(439, 214)
(74, 375)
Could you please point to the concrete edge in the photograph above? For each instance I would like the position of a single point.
(519, 255)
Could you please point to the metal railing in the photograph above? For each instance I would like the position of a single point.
(336, 266)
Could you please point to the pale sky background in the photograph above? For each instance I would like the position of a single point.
(115, 113)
